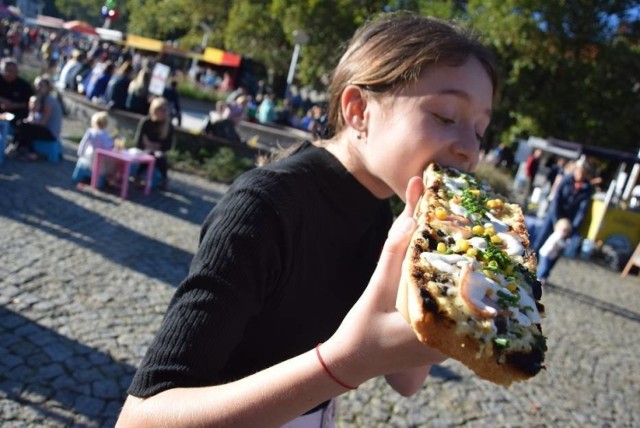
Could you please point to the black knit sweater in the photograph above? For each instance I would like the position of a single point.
(282, 259)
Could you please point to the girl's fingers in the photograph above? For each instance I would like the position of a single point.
(385, 279)
(415, 187)
(387, 274)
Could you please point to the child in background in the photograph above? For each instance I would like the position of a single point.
(96, 137)
(35, 110)
(552, 248)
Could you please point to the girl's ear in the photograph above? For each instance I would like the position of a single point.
(354, 105)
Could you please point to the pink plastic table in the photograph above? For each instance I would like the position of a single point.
(124, 159)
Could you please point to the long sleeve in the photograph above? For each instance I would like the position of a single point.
(168, 142)
(84, 143)
(105, 140)
(581, 212)
(226, 288)
(140, 132)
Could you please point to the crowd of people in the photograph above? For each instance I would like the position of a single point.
(36, 114)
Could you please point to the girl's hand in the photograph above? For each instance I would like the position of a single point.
(374, 339)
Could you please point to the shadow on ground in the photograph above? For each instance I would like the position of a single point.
(41, 367)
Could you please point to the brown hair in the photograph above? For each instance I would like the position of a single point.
(393, 50)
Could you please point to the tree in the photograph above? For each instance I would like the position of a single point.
(329, 25)
(173, 19)
(561, 63)
(85, 10)
(254, 31)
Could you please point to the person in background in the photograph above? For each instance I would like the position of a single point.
(155, 136)
(14, 91)
(571, 199)
(290, 298)
(285, 115)
(552, 249)
(35, 110)
(240, 91)
(66, 78)
(267, 109)
(83, 74)
(226, 85)
(222, 121)
(48, 125)
(251, 109)
(117, 89)
(50, 51)
(95, 137)
(556, 170)
(235, 110)
(173, 97)
(138, 93)
(97, 87)
(530, 171)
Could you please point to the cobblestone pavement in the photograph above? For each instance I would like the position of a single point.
(85, 278)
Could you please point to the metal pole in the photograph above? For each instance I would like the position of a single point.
(292, 69)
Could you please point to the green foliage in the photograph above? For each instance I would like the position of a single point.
(88, 11)
(160, 19)
(501, 180)
(85, 10)
(225, 166)
(218, 165)
(192, 91)
(252, 30)
(329, 25)
(173, 19)
(562, 62)
(29, 74)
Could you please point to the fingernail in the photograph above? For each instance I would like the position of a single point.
(407, 225)
(402, 226)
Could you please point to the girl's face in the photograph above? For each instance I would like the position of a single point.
(161, 113)
(441, 118)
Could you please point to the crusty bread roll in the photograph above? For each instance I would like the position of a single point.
(468, 284)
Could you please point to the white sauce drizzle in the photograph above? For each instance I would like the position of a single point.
(498, 225)
(478, 243)
(477, 288)
(527, 301)
(446, 262)
(455, 184)
(514, 247)
(458, 209)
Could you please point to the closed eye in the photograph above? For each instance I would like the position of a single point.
(443, 120)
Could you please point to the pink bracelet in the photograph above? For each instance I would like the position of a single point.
(326, 369)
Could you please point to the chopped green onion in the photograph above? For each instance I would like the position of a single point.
(501, 342)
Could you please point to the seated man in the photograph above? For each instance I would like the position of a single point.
(14, 91)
